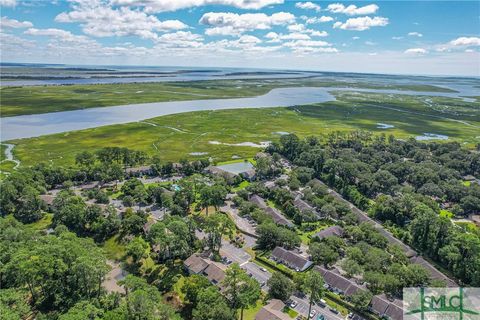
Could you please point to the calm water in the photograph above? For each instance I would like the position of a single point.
(28, 126)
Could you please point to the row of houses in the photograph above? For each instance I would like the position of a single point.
(290, 258)
(381, 305)
(409, 252)
(276, 215)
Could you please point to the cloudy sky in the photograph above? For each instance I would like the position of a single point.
(413, 37)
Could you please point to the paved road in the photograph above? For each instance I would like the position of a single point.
(240, 222)
(254, 270)
(302, 308)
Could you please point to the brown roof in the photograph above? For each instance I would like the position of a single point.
(379, 304)
(256, 199)
(290, 258)
(195, 263)
(382, 306)
(339, 282)
(434, 272)
(214, 273)
(395, 310)
(272, 311)
(330, 231)
(277, 217)
(302, 205)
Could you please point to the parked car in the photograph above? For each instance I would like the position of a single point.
(293, 304)
(263, 269)
(334, 310)
(313, 313)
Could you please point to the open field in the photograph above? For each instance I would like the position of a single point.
(410, 116)
(43, 99)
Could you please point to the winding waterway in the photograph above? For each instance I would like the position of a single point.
(28, 126)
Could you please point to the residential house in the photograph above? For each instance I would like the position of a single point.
(195, 264)
(272, 311)
(290, 259)
(215, 273)
(338, 283)
(277, 217)
(434, 272)
(385, 307)
(328, 232)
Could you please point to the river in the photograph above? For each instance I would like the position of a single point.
(28, 126)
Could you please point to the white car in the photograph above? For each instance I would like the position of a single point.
(293, 304)
(263, 269)
(313, 313)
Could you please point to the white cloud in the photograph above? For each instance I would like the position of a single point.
(296, 27)
(275, 37)
(101, 21)
(361, 23)
(155, 6)
(181, 39)
(12, 23)
(415, 34)
(466, 41)
(370, 43)
(313, 20)
(316, 33)
(355, 38)
(458, 44)
(416, 51)
(308, 6)
(63, 35)
(352, 10)
(8, 3)
(227, 23)
(307, 43)
(397, 38)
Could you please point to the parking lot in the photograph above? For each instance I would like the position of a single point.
(255, 271)
(302, 308)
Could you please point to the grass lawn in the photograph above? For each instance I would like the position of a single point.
(409, 114)
(292, 313)
(306, 236)
(241, 186)
(446, 213)
(43, 223)
(113, 249)
(177, 287)
(7, 165)
(332, 304)
(249, 314)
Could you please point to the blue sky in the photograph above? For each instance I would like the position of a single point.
(413, 37)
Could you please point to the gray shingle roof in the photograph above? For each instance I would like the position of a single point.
(434, 272)
(195, 263)
(290, 258)
(338, 282)
(330, 231)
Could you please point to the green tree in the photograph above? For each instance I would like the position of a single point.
(240, 290)
(313, 286)
(280, 287)
(216, 226)
(212, 305)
